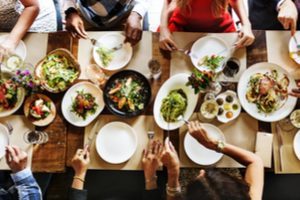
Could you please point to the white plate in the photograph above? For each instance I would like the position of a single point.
(207, 46)
(293, 48)
(200, 154)
(4, 139)
(121, 57)
(116, 142)
(175, 82)
(251, 108)
(20, 49)
(236, 113)
(70, 95)
(296, 144)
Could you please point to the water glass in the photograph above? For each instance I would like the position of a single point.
(96, 74)
(155, 69)
(36, 137)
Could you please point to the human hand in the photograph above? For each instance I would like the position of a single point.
(151, 159)
(246, 36)
(80, 161)
(133, 28)
(197, 131)
(75, 26)
(288, 15)
(16, 159)
(166, 41)
(296, 91)
(170, 158)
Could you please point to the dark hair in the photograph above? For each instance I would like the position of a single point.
(217, 185)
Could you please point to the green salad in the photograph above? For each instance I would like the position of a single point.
(58, 72)
(212, 62)
(174, 105)
(106, 55)
(84, 104)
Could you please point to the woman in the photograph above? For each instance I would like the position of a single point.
(202, 16)
(20, 16)
(211, 183)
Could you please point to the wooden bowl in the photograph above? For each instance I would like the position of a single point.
(39, 122)
(39, 74)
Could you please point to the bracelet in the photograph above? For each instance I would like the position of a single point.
(173, 191)
(77, 177)
(70, 11)
(154, 178)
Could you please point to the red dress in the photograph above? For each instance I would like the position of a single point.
(200, 19)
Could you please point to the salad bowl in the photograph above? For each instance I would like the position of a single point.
(57, 71)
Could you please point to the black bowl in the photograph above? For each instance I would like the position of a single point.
(146, 92)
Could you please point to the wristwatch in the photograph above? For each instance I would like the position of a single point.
(220, 145)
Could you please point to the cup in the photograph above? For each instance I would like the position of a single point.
(96, 74)
(36, 137)
(154, 68)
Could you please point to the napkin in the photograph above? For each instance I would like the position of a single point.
(180, 63)
(240, 132)
(290, 164)
(278, 51)
(263, 147)
(140, 124)
(142, 53)
(20, 125)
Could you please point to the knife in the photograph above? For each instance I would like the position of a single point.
(280, 147)
(93, 133)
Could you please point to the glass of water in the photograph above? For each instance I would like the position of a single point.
(36, 137)
(154, 68)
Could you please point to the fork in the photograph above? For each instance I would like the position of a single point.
(97, 44)
(9, 127)
(181, 118)
(297, 44)
(150, 135)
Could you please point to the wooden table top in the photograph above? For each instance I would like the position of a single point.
(65, 139)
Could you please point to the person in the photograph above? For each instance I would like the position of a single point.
(296, 91)
(21, 16)
(273, 15)
(25, 186)
(202, 16)
(150, 163)
(106, 15)
(211, 183)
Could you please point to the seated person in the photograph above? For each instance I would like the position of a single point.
(18, 17)
(202, 16)
(150, 162)
(296, 91)
(273, 15)
(211, 183)
(25, 187)
(106, 15)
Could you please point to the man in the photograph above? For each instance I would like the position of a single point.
(106, 15)
(273, 15)
(25, 186)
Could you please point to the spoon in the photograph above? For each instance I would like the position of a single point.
(181, 118)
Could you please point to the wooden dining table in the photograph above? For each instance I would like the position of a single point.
(65, 139)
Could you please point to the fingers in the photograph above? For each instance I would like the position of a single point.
(295, 94)
(293, 27)
(11, 152)
(168, 45)
(167, 144)
(79, 31)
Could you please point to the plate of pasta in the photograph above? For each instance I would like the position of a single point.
(263, 92)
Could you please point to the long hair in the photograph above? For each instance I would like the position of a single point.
(217, 185)
(218, 7)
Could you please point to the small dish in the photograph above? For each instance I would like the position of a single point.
(116, 142)
(4, 139)
(295, 118)
(296, 144)
(294, 51)
(115, 59)
(229, 106)
(39, 109)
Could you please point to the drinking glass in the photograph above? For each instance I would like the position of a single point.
(96, 74)
(232, 67)
(154, 68)
(36, 137)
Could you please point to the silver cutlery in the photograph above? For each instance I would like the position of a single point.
(97, 44)
(93, 133)
(280, 146)
(181, 118)
(9, 127)
(296, 41)
(150, 135)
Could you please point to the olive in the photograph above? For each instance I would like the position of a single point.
(220, 101)
(229, 99)
(235, 106)
(220, 112)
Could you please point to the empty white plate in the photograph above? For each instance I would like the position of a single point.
(296, 144)
(116, 142)
(200, 154)
(20, 49)
(4, 139)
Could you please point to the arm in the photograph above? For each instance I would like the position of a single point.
(80, 164)
(24, 22)
(288, 15)
(22, 176)
(247, 37)
(166, 40)
(254, 166)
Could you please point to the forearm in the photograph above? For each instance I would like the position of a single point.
(23, 24)
(165, 15)
(173, 182)
(239, 8)
(78, 181)
(141, 7)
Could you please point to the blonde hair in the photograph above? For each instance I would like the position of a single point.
(218, 7)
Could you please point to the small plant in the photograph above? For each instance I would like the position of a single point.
(25, 79)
